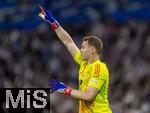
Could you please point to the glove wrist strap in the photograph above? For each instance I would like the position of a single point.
(54, 25)
(68, 91)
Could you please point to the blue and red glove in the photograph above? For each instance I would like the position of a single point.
(47, 16)
(57, 86)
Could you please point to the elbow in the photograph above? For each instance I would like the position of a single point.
(90, 98)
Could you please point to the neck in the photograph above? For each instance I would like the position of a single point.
(93, 58)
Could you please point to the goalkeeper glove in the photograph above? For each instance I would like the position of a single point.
(47, 16)
(57, 86)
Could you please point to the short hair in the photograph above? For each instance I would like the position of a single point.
(94, 41)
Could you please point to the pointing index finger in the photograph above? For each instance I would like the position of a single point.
(42, 9)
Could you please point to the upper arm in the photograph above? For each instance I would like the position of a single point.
(72, 48)
(93, 87)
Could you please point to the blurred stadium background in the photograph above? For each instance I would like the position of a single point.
(31, 54)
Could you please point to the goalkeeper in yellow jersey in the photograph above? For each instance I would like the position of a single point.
(93, 74)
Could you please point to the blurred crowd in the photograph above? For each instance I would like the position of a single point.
(29, 58)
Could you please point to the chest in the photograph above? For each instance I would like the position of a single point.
(85, 73)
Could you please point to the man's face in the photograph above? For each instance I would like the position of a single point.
(85, 50)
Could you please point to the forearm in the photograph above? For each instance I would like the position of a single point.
(63, 36)
(81, 95)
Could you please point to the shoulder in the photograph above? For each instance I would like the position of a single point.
(104, 69)
(103, 65)
(100, 68)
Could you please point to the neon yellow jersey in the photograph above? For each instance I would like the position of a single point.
(96, 75)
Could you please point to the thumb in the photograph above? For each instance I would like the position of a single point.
(42, 15)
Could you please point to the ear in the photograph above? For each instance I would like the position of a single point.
(92, 50)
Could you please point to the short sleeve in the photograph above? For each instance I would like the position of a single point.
(98, 78)
(78, 58)
(96, 83)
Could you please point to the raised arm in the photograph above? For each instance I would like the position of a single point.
(67, 40)
(61, 33)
